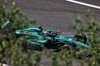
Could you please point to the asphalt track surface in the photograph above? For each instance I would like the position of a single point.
(94, 2)
(54, 15)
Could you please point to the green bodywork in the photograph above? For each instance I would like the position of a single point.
(38, 36)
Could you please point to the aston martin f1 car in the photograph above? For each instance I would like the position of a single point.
(36, 37)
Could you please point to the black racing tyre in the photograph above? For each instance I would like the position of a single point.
(80, 37)
(66, 50)
(8, 39)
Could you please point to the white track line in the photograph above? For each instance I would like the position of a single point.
(85, 4)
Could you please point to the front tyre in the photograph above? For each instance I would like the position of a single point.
(80, 37)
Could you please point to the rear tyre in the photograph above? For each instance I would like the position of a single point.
(66, 50)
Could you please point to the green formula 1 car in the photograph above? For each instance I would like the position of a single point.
(53, 40)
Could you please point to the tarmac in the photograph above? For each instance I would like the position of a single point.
(55, 14)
